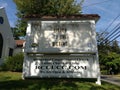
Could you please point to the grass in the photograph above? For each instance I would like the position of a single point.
(13, 81)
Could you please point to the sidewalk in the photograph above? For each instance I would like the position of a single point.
(111, 79)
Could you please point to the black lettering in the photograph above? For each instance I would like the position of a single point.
(41, 67)
(58, 67)
(76, 67)
(51, 67)
(36, 67)
(47, 67)
(62, 67)
(85, 67)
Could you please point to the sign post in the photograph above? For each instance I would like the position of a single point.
(61, 47)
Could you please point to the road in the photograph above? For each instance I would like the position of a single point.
(111, 79)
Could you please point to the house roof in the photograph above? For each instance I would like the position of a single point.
(19, 42)
(63, 17)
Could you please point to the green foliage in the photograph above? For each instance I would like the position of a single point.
(14, 63)
(8, 76)
(115, 47)
(110, 60)
(17, 33)
(44, 7)
(108, 55)
(21, 26)
(47, 7)
(113, 60)
(104, 72)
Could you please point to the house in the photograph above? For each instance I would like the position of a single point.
(7, 42)
(19, 46)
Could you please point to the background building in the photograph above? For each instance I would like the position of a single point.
(7, 42)
(19, 46)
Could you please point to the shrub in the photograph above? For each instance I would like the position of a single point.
(104, 72)
(3, 67)
(14, 63)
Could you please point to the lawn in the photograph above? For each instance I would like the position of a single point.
(13, 81)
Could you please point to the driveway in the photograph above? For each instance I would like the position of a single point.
(111, 79)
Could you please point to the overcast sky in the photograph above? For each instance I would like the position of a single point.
(107, 9)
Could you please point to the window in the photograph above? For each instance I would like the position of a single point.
(1, 45)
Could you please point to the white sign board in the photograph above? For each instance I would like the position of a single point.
(62, 37)
(61, 49)
(62, 66)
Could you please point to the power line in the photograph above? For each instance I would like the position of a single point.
(114, 30)
(95, 3)
(112, 33)
(111, 36)
(115, 34)
(110, 25)
(113, 39)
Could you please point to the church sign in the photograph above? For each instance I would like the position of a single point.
(61, 47)
(61, 66)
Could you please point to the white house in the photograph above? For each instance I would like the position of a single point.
(6, 37)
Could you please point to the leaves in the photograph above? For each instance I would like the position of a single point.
(44, 7)
(14, 63)
(48, 7)
(109, 54)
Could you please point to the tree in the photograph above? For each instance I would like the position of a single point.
(45, 7)
(108, 54)
(16, 33)
(103, 47)
(115, 47)
(112, 61)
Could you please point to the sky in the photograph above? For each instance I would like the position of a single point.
(108, 10)
(11, 10)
